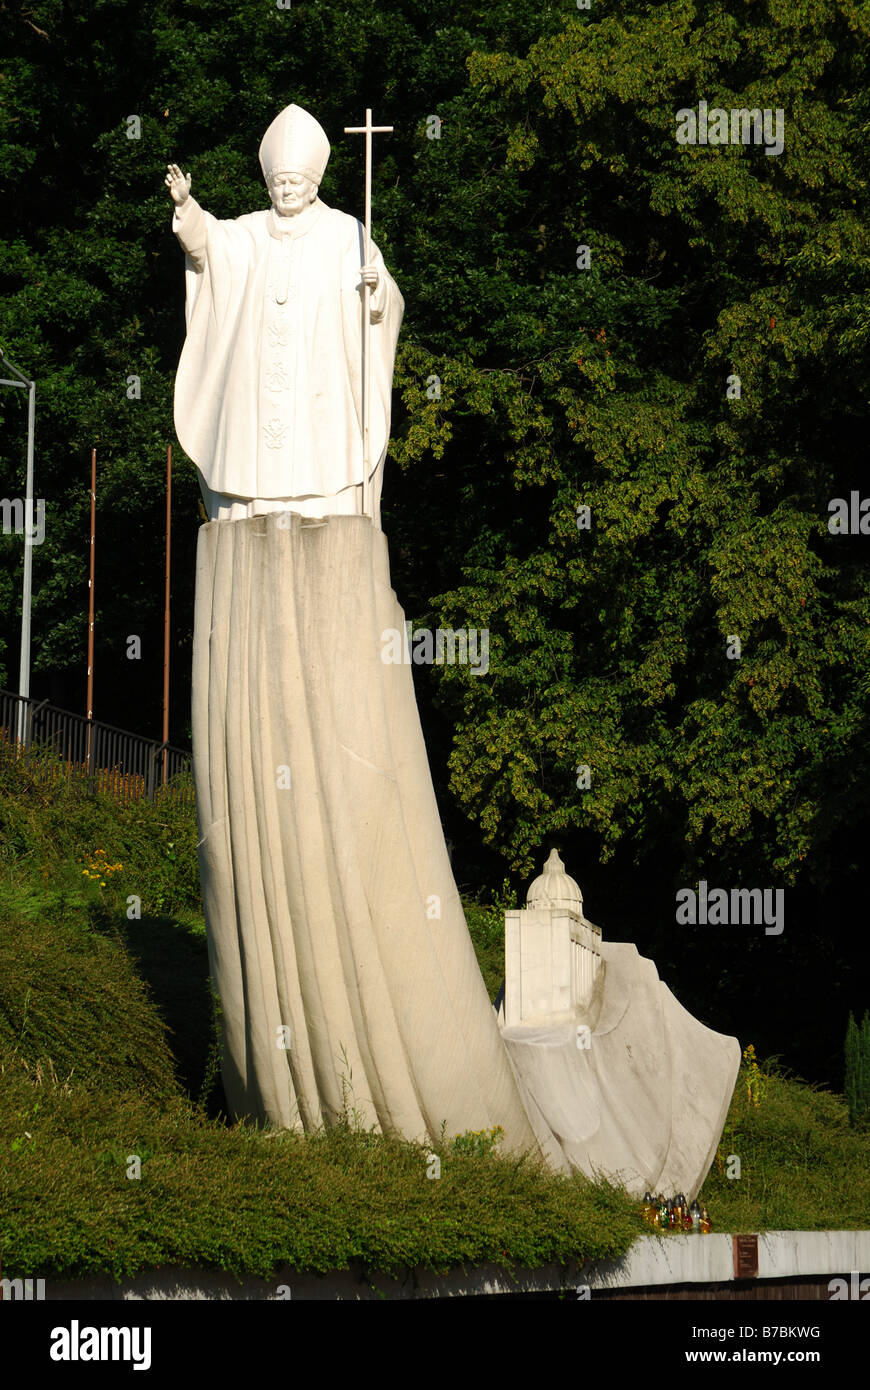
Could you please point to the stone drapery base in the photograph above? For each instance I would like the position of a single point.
(642, 1094)
(331, 908)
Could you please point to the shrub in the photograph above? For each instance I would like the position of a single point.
(857, 1085)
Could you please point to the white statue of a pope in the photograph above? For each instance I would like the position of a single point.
(268, 395)
(336, 936)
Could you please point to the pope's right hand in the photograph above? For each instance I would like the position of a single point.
(177, 183)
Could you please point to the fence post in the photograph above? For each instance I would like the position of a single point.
(152, 769)
(21, 723)
(32, 712)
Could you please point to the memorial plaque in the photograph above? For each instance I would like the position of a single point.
(746, 1257)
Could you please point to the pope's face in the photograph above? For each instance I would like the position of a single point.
(291, 193)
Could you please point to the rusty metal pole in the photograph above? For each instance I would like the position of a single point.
(91, 592)
(166, 612)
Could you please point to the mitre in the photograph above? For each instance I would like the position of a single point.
(295, 143)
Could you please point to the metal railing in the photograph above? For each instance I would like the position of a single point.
(90, 755)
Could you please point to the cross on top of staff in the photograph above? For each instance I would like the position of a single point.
(368, 128)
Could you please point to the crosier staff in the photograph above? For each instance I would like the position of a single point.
(370, 280)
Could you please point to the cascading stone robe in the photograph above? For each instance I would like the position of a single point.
(321, 849)
(337, 939)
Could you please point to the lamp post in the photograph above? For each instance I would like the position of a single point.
(24, 383)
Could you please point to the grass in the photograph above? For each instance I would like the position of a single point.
(108, 1049)
(802, 1167)
(240, 1200)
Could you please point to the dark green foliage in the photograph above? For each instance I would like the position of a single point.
(708, 515)
(857, 1080)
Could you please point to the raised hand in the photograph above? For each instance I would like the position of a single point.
(177, 183)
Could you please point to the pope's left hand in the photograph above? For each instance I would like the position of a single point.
(370, 276)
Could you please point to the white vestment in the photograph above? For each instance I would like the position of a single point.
(268, 395)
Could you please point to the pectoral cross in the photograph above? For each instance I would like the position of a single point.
(368, 130)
